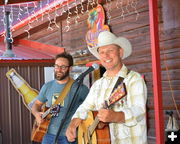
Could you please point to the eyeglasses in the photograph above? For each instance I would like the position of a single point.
(63, 67)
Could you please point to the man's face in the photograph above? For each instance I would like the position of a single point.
(110, 56)
(61, 69)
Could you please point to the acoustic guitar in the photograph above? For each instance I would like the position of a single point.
(88, 131)
(38, 131)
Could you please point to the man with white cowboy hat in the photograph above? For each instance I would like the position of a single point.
(127, 116)
(107, 38)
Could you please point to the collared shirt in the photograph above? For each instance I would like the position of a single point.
(134, 130)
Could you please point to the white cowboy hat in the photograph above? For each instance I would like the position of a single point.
(108, 38)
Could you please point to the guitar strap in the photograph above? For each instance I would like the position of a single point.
(119, 81)
(64, 92)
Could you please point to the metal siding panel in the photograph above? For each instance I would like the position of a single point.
(15, 119)
(5, 107)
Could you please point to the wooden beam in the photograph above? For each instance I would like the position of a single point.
(41, 47)
(14, 61)
(156, 69)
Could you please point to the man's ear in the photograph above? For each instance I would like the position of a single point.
(70, 68)
(121, 52)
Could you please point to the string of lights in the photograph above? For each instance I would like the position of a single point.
(61, 7)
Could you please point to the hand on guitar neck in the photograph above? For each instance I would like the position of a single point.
(108, 115)
(39, 118)
(37, 111)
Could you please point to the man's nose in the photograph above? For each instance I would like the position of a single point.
(106, 54)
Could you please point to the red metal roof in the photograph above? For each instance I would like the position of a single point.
(25, 49)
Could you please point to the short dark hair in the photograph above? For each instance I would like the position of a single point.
(66, 56)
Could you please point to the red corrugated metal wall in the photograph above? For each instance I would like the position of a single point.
(15, 119)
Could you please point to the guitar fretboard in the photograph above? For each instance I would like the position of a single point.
(93, 126)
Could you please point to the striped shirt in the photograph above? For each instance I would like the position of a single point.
(134, 130)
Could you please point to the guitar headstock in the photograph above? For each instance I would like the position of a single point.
(55, 110)
(117, 94)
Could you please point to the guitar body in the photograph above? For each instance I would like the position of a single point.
(39, 131)
(87, 130)
(99, 136)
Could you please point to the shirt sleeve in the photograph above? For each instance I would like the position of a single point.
(41, 97)
(136, 99)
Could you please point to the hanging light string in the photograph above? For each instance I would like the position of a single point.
(6, 2)
(33, 12)
(134, 6)
(29, 21)
(108, 2)
(50, 22)
(92, 3)
(67, 27)
(55, 7)
(19, 13)
(56, 15)
(48, 16)
(126, 7)
(82, 7)
(122, 10)
(3, 21)
(88, 3)
(76, 12)
(42, 14)
(63, 10)
(117, 4)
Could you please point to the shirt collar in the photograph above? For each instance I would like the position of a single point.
(122, 72)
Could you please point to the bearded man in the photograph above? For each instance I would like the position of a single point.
(49, 93)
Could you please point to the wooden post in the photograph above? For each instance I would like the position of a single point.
(156, 69)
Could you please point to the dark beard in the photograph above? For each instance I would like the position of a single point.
(62, 77)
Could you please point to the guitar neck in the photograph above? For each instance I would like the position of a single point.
(93, 126)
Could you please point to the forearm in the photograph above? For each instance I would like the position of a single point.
(35, 109)
(119, 117)
(75, 122)
(111, 116)
(71, 130)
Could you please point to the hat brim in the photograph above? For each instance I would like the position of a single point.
(120, 41)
